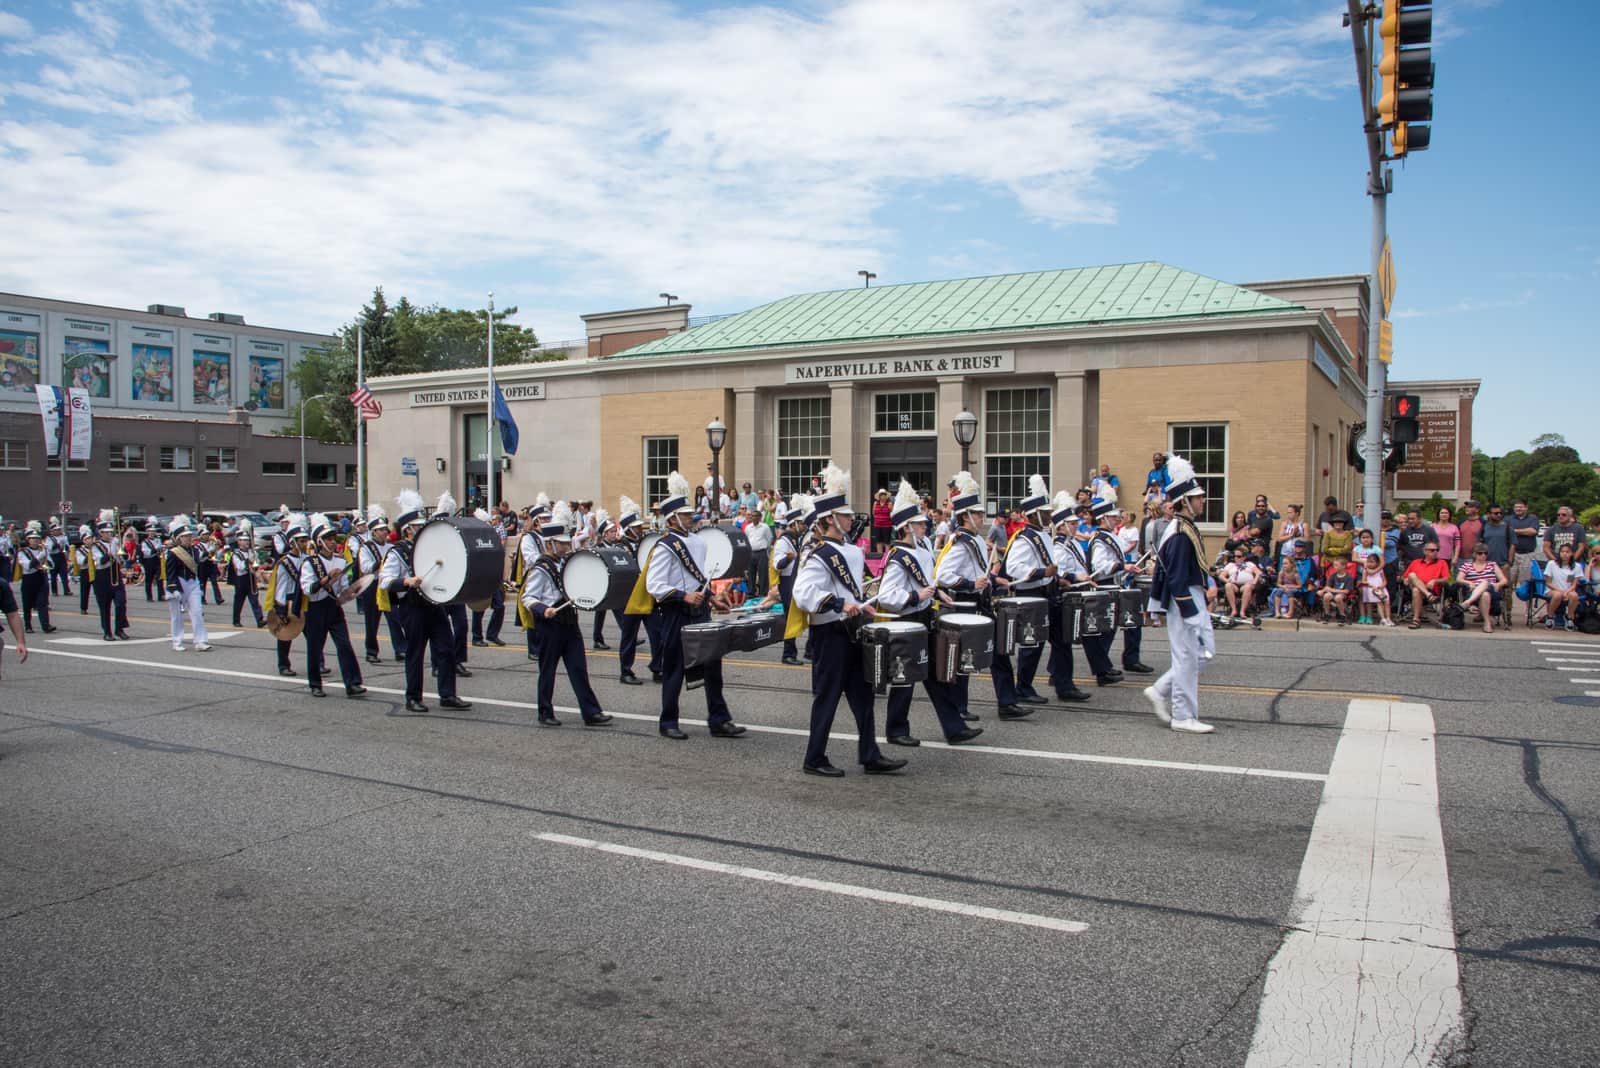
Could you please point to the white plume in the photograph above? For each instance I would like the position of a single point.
(1108, 493)
(283, 510)
(1063, 502)
(376, 514)
(107, 515)
(800, 506)
(677, 485)
(447, 504)
(601, 518)
(966, 485)
(481, 515)
(1037, 488)
(408, 501)
(298, 519)
(906, 496)
(561, 513)
(627, 506)
(85, 531)
(318, 520)
(835, 480)
(177, 523)
(245, 527)
(1179, 469)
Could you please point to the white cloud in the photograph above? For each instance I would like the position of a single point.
(731, 155)
(14, 25)
(307, 16)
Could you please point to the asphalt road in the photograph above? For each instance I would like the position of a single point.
(201, 864)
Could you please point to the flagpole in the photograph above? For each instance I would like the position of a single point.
(490, 428)
(361, 432)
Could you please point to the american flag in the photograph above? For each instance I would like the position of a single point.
(365, 402)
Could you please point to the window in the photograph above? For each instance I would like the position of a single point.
(14, 455)
(660, 459)
(805, 431)
(223, 460)
(177, 458)
(53, 463)
(126, 458)
(322, 474)
(1016, 442)
(350, 476)
(1205, 445)
(902, 413)
(278, 467)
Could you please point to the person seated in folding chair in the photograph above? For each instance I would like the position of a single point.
(1562, 578)
(1480, 582)
(1426, 580)
(1338, 591)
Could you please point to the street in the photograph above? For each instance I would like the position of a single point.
(1384, 854)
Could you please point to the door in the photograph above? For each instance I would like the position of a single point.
(896, 458)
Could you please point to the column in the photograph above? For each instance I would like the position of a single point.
(1069, 445)
(743, 433)
(842, 435)
(952, 399)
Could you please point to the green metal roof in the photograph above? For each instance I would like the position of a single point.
(1129, 292)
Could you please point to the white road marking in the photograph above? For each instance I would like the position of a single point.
(215, 636)
(1368, 974)
(795, 732)
(888, 897)
(1591, 667)
(1585, 682)
(1592, 661)
(1591, 646)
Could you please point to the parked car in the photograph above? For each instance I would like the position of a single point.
(230, 518)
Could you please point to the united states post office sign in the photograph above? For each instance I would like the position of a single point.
(876, 368)
(426, 398)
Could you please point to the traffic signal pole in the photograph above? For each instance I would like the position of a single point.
(1378, 189)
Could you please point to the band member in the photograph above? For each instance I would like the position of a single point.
(283, 585)
(497, 601)
(56, 542)
(282, 543)
(80, 566)
(368, 545)
(460, 627)
(13, 619)
(1071, 569)
(180, 577)
(1179, 591)
(529, 548)
(786, 558)
(828, 590)
(31, 572)
(1104, 544)
(105, 572)
(424, 623)
(239, 566)
(630, 528)
(8, 550)
(1107, 567)
(966, 567)
(207, 553)
(562, 642)
(908, 591)
(1029, 564)
(152, 547)
(674, 575)
(605, 533)
(324, 574)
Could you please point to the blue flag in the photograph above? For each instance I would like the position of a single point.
(508, 425)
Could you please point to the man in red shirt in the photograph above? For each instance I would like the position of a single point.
(1426, 578)
(1471, 528)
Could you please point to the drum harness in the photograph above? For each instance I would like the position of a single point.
(566, 614)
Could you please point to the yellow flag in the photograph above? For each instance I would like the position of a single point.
(639, 601)
(799, 619)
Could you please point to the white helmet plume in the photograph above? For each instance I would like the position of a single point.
(627, 506)
(447, 504)
(835, 480)
(376, 514)
(906, 496)
(800, 505)
(1179, 470)
(1037, 487)
(408, 501)
(677, 485)
(1108, 493)
(966, 485)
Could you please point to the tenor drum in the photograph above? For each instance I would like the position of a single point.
(963, 645)
(600, 579)
(459, 558)
(1131, 603)
(894, 653)
(727, 551)
(646, 543)
(748, 633)
(705, 643)
(1020, 622)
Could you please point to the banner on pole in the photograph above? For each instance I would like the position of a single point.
(509, 436)
(51, 411)
(80, 424)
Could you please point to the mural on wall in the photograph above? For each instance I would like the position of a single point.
(213, 378)
(152, 373)
(19, 360)
(92, 375)
(266, 382)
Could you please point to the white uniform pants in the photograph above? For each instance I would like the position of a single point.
(1180, 686)
(187, 598)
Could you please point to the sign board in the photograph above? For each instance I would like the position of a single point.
(408, 465)
(1325, 363)
(1430, 462)
(63, 507)
(874, 368)
(425, 398)
(1386, 276)
(1385, 341)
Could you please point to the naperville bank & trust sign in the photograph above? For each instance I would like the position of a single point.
(966, 363)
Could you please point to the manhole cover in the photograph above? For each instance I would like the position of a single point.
(1581, 702)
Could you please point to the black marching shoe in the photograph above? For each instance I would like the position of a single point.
(630, 679)
(1033, 699)
(415, 706)
(1108, 680)
(318, 691)
(601, 644)
(498, 642)
(967, 735)
(534, 657)
(454, 702)
(462, 672)
(287, 671)
(548, 719)
(480, 643)
(727, 730)
(107, 637)
(1139, 668)
(969, 715)
(27, 630)
(674, 733)
(355, 691)
(598, 721)
(400, 659)
(47, 628)
(124, 636)
(655, 677)
(827, 771)
(882, 766)
(792, 660)
(1014, 712)
(375, 660)
(905, 740)
(1074, 694)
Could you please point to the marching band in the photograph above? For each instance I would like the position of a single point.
(930, 618)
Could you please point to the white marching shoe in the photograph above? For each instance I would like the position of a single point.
(177, 647)
(203, 647)
(1157, 705)
(1192, 726)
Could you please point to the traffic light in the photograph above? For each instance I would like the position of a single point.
(1396, 460)
(1405, 74)
(1403, 428)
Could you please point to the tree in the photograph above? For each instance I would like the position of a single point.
(1545, 441)
(1556, 485)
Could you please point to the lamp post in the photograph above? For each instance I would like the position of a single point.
(670, 298)
(965, 426)
(866, 279)
(716, 437)
(303, 402)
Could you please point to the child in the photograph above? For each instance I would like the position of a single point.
(1338, 585)
(1374, 589)
(1561, 580)
(1366, 546)
(1286, 596)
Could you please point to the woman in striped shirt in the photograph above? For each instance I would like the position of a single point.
(1484, 582)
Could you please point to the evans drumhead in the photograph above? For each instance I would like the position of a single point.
(727, 551)
(646, 543)
(600, 579)
(459, 559)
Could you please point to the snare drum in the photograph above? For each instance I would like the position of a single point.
(705, 643)
(727, 552)
(963, 645)
(600, 579)
(894, 653)
(1130, 607)
(1020, 622)
(459, 558)
(747, 633)
(1097, 615)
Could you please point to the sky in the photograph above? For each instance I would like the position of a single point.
(280, 158)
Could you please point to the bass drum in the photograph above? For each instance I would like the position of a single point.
(460, 559)
(600, 579)
(646, 543)
(727, 551)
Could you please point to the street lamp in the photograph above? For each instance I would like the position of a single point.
(716, 437)
(303, 402)
(670, 298)
(966, 427)
(866, 279)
